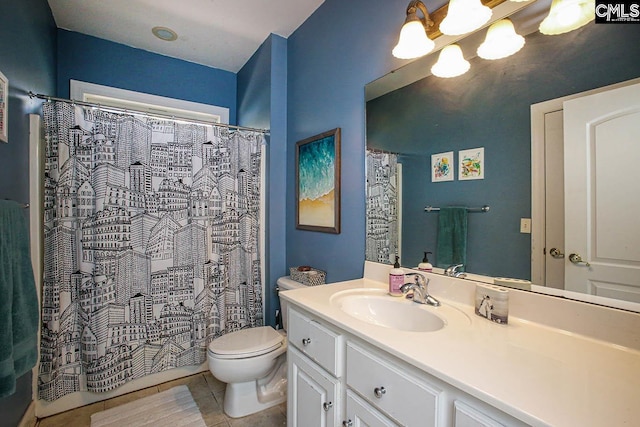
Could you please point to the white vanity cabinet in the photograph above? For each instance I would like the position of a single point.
(315, 366)
(336, 379)
(361, 414)
(394, 393)
(393, 388)
(465, 415)
(313, 394)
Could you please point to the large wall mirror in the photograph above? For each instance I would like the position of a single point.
(415, 116)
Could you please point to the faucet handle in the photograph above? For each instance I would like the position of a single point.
(407, 287)
(453, 269)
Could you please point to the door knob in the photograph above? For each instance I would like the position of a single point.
(306, 341)
(555, 252)
(577, 259)
(326, 406)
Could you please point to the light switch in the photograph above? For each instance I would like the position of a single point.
(525, 225)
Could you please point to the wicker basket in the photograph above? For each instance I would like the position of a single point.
(312, 277)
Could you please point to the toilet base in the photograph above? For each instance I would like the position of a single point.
(242, 399)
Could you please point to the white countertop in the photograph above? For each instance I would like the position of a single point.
(538, 374)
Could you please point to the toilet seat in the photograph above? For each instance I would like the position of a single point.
(246, 343)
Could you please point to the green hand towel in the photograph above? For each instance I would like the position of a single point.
(452, 237)
(19, 313)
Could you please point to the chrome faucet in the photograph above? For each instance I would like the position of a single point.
(453, 271)
(420, 291)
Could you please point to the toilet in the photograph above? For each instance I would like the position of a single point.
(253, 364)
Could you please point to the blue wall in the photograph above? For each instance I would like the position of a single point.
(331, 58)
(27, 59)
(262, 103)
(339, 49)
(490, 107)
(94, 60)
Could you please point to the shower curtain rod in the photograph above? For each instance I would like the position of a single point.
(128, 110)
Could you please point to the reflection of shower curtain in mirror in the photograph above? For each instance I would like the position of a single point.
(382, 207)
(151, 245)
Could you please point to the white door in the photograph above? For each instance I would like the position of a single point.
(602, 194)
(554, 200)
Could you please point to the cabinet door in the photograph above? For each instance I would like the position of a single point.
(312, 393)
(361, 414)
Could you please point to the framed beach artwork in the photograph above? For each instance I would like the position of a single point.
(4, 108)
(471, 164)
(318, 183)
(442, 167)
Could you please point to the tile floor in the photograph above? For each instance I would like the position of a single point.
(207, 392)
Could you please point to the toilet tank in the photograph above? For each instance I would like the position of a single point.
(284, 284)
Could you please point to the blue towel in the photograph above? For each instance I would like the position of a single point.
(19, 314)
(452, 237)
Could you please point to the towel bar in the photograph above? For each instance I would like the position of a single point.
(485, 208)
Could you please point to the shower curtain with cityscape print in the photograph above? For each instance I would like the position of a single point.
(151, 244)
(382, 187)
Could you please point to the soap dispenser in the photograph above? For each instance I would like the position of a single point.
(396, 279)
(425, 265)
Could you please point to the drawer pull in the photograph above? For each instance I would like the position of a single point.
(379, 391)
(306, 341)
(347, 423)
(327, 405)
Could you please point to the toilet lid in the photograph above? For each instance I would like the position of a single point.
(247, 342)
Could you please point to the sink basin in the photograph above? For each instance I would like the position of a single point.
(376, 307)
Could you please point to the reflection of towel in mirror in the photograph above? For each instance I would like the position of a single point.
(18, 299)
(452, 237)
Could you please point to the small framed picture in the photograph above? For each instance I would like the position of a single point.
(318, 183)
(442, 167)
(4, 108)
(471, 164)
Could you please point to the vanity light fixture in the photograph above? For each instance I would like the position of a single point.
(465, 16)
(450, 63)
(413, 41)
(568, 15)
(501, 41)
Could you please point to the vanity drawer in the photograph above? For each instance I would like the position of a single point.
(315, 340)
(408, 399)
(468, 416)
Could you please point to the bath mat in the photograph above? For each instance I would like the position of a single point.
(174, 407)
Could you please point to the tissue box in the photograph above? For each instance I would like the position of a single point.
(308, 277)
(492, 303)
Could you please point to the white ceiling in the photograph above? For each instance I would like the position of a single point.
(217, 33)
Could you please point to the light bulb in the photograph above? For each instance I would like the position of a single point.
(413, 41)
(450, 63)
(567, 15)
(464, 16)
(501, 41)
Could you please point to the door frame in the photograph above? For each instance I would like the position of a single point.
(538, 173)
